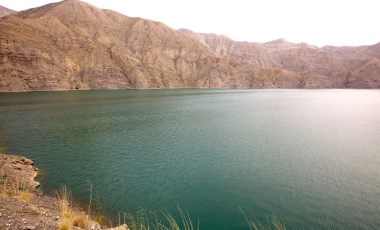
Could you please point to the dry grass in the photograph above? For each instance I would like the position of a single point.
(161, 220)
(68, 217)
(65, 224)
(64, 199)
(172, 223)
(20, 190)
(14, 188)
(80, 220)
(278, 224)
(26, 196)
(273, 224)
(99, 218)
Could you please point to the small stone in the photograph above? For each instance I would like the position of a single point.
(29, 227)
(56, 218)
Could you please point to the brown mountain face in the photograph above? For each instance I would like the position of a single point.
(326, 67)
(73, 45)
(5, 11)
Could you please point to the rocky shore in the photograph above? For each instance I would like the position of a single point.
(23, 206)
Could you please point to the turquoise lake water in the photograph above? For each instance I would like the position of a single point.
(309, 157)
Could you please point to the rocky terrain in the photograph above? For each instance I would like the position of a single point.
(24, 207)
(326, 67)
(74, 45)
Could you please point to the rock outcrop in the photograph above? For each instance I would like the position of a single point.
(74, 45)
(17, 170)
(24, 207)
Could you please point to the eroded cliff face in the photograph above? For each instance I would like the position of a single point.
(73, 45)
(302, 65)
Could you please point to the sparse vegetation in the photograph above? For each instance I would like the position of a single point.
(161, 220)
(273, 224)
(26, 196)
(3, 183)
(20, 190)
(64, 199)
(9, 187)
(98, 218)
(80, 220)
(68, 217)
(65, 225)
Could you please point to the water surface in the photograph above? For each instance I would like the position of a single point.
(310, 157)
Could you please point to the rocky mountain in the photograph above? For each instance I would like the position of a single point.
(74, 45)
(5, 11)
(326, 67)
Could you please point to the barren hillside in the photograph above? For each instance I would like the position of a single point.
(5, 11)
(74, 45)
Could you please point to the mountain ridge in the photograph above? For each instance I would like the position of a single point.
(5, 11)
(74, 45)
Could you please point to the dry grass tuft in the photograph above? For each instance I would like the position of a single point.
(275, 223)
(99, 218)
(162, 220)
(64, 198)
(278, 224)
(68, 218)
(65, 224)
(80, 220)
(26, 196)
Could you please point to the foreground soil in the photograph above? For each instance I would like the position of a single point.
(23, 206)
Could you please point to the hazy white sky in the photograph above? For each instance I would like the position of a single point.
(317, 22)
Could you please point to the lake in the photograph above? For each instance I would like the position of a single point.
(309, 157)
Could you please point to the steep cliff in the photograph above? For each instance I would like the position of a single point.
(74, 45)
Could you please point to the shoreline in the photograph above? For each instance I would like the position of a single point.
(178, 88)
(24, 206)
